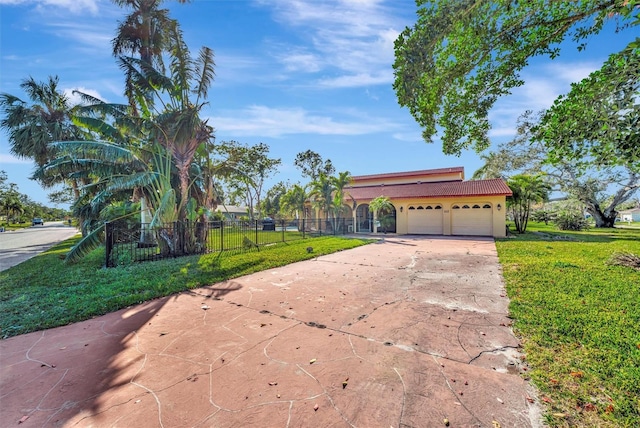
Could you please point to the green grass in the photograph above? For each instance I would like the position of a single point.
(579, 319)
(43, 292)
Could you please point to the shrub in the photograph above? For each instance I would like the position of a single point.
(570, 220)
(543, 216)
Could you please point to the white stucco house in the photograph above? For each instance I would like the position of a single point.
(630, 215)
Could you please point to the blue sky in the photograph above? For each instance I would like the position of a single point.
(294, 74)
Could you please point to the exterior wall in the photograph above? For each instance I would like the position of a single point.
(451, 176)
(499, 216)
(631, 215)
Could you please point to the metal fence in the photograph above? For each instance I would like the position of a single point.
(128, 243)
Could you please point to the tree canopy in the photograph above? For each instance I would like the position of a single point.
(461, 56)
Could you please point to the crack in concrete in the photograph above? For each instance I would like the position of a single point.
(455, 394)
(404, 396)
(326, 393)
(502, 348)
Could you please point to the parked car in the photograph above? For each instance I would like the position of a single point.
(37, 220)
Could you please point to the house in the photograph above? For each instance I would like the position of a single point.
(630, 215)
(233, 212)
(429, 202)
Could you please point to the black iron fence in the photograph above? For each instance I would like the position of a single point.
(128, 242)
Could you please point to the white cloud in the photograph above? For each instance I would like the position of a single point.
(301, 61)
(73, 6)
(94, 37)
(409, 137)
(350, 38)
(264, 121)
(350, 81)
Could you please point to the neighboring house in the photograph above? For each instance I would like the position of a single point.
(233, 212)
(630, 215)
(430, 202)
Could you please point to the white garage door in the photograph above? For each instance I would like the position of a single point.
(425, 219)
(472, 219)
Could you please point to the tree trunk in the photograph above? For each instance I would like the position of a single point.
(602, 219)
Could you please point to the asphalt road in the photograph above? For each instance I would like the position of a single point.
(20, 245)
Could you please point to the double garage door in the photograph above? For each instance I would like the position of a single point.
(466, 219)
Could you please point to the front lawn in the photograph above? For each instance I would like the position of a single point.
(579, 319)
(43, 292)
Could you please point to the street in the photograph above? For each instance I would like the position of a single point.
(19, 245)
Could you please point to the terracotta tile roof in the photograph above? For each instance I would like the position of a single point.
(410, 173)
(442, 189)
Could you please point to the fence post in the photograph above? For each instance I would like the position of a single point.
(282, 226)
(256, 224)
(108, 243)
(304, 226)
(221, 235)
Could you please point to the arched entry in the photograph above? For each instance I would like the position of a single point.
(364, 219)
(387, 220)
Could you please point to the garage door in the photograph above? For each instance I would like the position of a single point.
(471, 219)
(425, 219)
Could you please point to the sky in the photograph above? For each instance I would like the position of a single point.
(294, 74)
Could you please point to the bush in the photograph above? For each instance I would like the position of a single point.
(543, 216)
(570, 220)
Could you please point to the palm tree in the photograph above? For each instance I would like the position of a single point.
(527, 189)
(382, 208)
(10, 202)
(178, 127)
(339, 184)
(294, 201)
(113, 171)
(33, 126)
(322, 191)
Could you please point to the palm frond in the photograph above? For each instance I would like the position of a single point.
(165, 210)
(98, 126)
(89, 243)
(181, 67)
(96, 150)
(205, 70)
(87, 99)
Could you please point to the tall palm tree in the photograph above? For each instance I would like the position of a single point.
(146, 32)
(33, 125)
(178, 126)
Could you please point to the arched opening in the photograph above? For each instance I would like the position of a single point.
(387, 220)
(364, 219)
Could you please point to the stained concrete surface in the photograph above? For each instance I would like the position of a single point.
(406, 332)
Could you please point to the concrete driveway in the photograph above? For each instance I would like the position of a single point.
(407, 332)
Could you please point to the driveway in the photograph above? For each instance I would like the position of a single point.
(407, 332)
